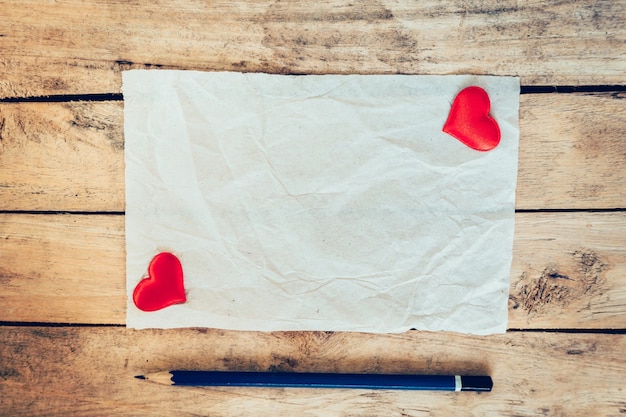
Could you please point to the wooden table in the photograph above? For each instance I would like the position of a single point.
(64, 349)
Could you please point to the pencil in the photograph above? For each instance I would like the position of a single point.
(322, 380)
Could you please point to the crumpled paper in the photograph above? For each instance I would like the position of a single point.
(330, 202)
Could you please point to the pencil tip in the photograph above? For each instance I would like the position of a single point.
(140, 377)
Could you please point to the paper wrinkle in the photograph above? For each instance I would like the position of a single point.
(319, 202)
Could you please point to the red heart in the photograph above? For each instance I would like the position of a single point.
(469, 120)
(164, 285)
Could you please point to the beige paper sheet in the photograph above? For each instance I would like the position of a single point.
(329, 202)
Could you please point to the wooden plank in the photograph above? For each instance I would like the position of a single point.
(568, 270)
(75, 46)
(572, 151)
(62, 268)
(69, 156)
(62, 156)
(89, 371)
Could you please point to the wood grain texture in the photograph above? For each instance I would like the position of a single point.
(70, 156)
(62, 156)
(572, 151)
(62, 268)
(89, 371)
(78, 46)
(568, 270)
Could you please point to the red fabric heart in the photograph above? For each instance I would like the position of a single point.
(164, 285)
(469, 120)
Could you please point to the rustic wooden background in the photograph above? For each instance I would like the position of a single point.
(63, 347)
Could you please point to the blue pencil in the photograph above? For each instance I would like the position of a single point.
(322, 380)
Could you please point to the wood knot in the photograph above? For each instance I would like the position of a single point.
(578, 279)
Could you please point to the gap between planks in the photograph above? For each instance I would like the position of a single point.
(524, 89)
(114, 325)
